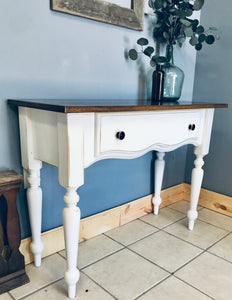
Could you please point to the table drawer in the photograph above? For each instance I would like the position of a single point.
(142, 130)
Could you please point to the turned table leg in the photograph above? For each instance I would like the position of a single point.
(159, 172)
(34, 200)
(71, 177)
(196, 181)
(71, 222)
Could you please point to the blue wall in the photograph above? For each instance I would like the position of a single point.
(46, 54)
(213, 84)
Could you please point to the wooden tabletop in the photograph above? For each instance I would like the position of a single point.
(81, 106)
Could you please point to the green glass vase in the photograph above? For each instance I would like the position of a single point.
(174, 78)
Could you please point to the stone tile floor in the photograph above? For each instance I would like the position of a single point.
(154, 257)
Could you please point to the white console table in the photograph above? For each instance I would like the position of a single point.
(72, 135)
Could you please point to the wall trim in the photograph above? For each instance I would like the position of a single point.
(99, 223)
(211, 200)
(91, 226)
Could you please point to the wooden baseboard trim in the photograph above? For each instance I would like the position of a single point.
(91, 226)
(212, 200)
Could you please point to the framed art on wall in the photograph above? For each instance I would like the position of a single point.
(131, 17)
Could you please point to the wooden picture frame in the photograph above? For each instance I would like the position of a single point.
(104, 11)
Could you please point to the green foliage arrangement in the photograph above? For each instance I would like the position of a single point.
(174, 24)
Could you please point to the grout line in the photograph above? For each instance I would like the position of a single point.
(92, 263)
(181, 211)
(226, 234)
(40, 289)
(114, 240)
(145, 258)
(217, 212)
(158, 230)
(214, 225)
(174, 222)
(165, 225)
(140, 239)
(151, 287)
(127, 247)
(219, 257)
(61, 254)
(188, 262)
(194, 287)
(12, 297)
(179, 238)
(147, 222)
(143, 238)
(99, 285)
(217, 241)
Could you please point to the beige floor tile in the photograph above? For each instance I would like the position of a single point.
(94, 249)
(183, 206)
(125, 274)
(214, 218)
(165, 250)
(223, 248)
(209, 274)
(52, 269)
(5, 296)
(86, 290)
(203, 235)
(165, 217)
(173, 289)
(131, 232)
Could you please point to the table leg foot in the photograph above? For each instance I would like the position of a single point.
(71, 279)
(192, 216)
(72, 291)
(37, 260)
(156, 201)
(159, 172)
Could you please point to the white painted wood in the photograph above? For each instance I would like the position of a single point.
(34, 200)
(26, 139)
(71, 176)
(130, 154)
(197, 173)
(44, 128)
(71, 222)
(196, 181)
(71, 151)
(32, 168)
(76, 140)
(159, 172)
(86, 121)
(145, 129)
(45, 137)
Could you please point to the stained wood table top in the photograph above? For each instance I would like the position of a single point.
(81, 106)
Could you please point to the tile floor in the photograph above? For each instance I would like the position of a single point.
(154, 257)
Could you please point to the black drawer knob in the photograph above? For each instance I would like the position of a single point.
(120, 135)
(192, 127)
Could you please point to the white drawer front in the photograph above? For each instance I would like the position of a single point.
(142, 130)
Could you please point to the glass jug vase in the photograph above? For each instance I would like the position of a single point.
(174, 78)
